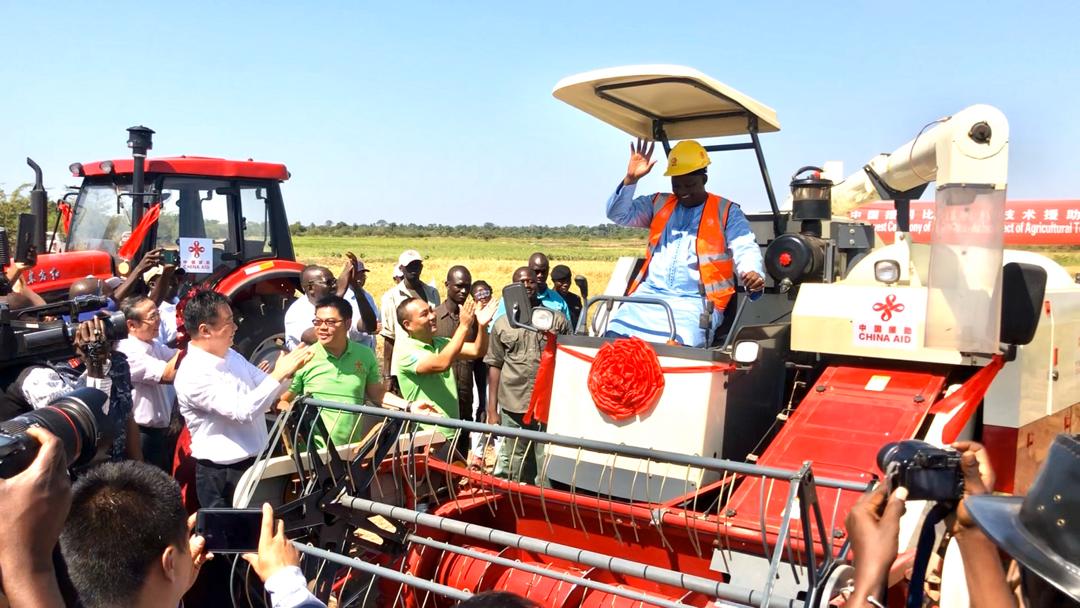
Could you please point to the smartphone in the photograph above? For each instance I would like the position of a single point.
(170, 256)
(230, 530)
(25, 238)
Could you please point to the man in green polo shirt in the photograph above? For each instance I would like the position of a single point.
(343, 371)
(423, 362)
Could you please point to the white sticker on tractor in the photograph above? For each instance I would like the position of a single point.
(888, 320)
(196, 254)
(877, 383)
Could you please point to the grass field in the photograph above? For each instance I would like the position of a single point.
(491, 260)
(494, 260)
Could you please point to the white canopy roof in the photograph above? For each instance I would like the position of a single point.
(688, 103)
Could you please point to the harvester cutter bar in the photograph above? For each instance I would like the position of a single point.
(617, 565)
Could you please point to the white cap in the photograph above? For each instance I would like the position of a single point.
(153, 273)
(407, 257)
(113, 282)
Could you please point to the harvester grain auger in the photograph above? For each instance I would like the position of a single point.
(732, 488)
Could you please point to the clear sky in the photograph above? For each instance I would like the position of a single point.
(441, 112)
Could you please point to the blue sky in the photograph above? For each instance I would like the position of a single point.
(442, 112)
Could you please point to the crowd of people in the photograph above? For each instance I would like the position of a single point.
(124, 533)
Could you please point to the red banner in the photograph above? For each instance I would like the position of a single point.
(1026, 222)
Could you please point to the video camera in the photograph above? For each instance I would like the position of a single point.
(27, 336)
(78, 421)
(928, 472)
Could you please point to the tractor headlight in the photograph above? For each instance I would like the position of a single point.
(887, 271)
(107, 166)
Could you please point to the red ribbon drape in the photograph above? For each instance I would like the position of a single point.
(65, 215)
(540, 401)
(130, 246)
(967, 397)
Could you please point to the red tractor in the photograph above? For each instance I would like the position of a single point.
(222, 220)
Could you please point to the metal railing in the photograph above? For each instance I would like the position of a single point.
(349, 491)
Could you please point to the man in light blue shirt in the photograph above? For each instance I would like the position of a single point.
(674, 274)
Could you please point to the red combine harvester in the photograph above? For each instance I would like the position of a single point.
(222, 220)
(732, 488)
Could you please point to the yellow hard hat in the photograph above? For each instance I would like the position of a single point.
(686, 157)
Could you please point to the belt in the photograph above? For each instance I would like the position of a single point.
(154, 430)
(243, 464)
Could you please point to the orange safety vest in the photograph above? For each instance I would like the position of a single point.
(714, 262)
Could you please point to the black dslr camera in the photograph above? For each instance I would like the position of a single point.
(928, 472)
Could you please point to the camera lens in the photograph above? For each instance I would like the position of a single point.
(886, 454)
(70, 418)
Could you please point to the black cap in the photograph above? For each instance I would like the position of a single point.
(560, 273)
(1041, 531)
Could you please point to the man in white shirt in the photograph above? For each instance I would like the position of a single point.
(153, 367)
(224, 398)
(317, 282)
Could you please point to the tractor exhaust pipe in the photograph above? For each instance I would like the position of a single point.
(140, 140)
(39, 207)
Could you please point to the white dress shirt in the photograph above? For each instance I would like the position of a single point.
(152, 400)
(223, 401)
(167, 331)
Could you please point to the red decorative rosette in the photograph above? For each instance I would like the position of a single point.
(625, 379)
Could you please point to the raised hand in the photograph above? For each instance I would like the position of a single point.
(148, 261)
(468, 313)
(640, 161)
(485, 314)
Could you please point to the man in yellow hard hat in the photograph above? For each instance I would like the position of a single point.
(699, 243)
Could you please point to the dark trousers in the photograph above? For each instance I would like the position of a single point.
(480, 377)
(215, 483)
(157, 447)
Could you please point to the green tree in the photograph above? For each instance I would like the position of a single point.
(16, 202)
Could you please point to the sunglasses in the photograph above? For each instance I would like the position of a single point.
(327, 322)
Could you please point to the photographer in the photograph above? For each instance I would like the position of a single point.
(96, 366)
(873, 526)
(128, 542)
(153, 367)
(30, 532)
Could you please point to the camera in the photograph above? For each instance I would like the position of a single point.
(928, 472)
(24, 338)
(78, 421)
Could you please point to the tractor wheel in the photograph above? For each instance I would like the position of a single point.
(260, 333)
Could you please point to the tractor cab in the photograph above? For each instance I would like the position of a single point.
(215, 214)
(221, 221)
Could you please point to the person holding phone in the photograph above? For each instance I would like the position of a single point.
(128, 542)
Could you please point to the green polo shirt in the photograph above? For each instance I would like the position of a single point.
(440, 389)
(342, 379)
